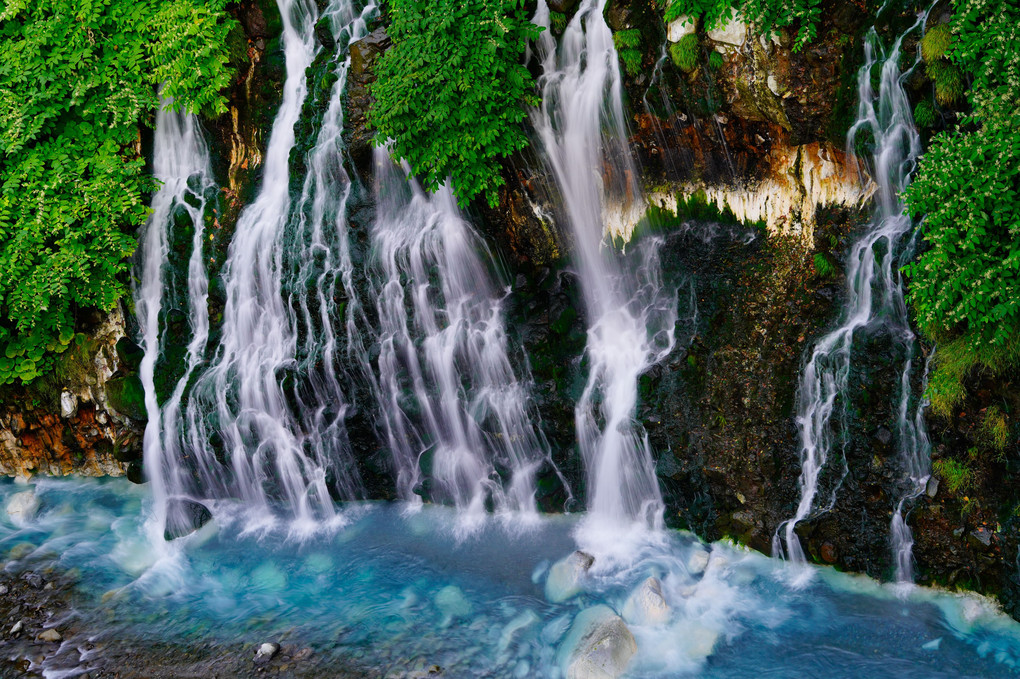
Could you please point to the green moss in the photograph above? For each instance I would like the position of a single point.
(558, 21)
(685, 53)
(715, 61)
(127, 396)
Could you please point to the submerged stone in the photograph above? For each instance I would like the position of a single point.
(599, 644)
(452, 603)
(50, 635)
(566, 576)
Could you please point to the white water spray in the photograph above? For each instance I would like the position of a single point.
(449, 398)
(874, 299)
(631, 318)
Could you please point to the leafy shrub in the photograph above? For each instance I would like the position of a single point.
(924, 114)
(76, 78)
(685, 53)
(968, 189)
(627, 44)
(451, 92)
(957, 476)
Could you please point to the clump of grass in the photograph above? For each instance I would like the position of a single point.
(924, 114)
(957, 476)
(955, 359)
(935, 42)
(994, 430)
(685, 53)
(948, 79)
(823, 266)
(715, 61)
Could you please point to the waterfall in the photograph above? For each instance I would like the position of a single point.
(449, 400)
(631, 319)
(181, 165)
(320, 278)
(874, 301)
(243, 438)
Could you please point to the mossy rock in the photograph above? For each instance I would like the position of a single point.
(127, 396)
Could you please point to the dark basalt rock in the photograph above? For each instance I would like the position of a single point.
(184, 517)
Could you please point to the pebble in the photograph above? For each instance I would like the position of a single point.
(50, 635)
(3, 590)
(266, 652)
(18, 626)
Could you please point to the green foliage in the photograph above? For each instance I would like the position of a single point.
(924, 114)
(968, 189)
(685, 53)
(715, 61)
(627, 44)
(957, 476)
(936, 42)
(451, 92)
(190, 56)
(76, 78)
(771, 15)
(823, 266)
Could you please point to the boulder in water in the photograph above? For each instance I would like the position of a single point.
(599, 644)
(646, 605)
(22, 507)
(266, 652)
(566, 575)
(184, 517)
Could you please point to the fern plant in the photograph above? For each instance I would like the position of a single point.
(76, 80)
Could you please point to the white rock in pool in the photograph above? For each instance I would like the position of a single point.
(646, 605)
(697, 562)
(566, 576)
(22, 507)
(598, 646)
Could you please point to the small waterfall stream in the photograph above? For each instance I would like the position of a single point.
(874, 301)
(631, 318)
(181, 164)
(239, 410)
(449, 399)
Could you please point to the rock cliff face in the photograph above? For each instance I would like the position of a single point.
(83, 418)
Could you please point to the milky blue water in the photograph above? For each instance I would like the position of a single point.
(394, 588)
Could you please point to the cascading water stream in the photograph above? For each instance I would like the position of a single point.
(449, 399)
(321, 271)
(181, 164)
(874, 301)
(244, 440)
(631, 320)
